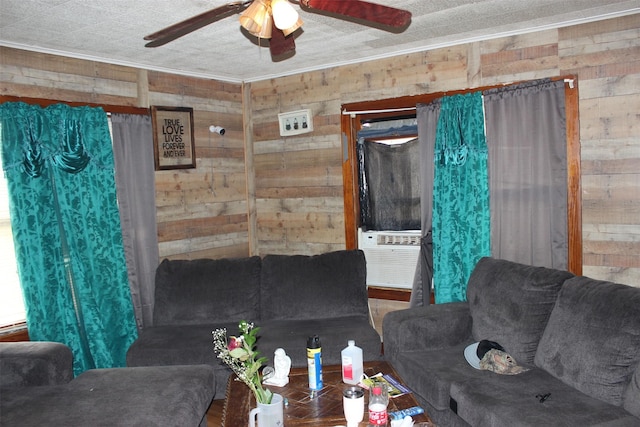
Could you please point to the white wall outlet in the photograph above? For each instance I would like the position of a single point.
(295, 122)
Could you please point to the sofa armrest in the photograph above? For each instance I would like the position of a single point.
(24, 364)
(430, 327)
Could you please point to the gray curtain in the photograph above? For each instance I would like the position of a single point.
(526, 137)
(135, 184)
(427, 115)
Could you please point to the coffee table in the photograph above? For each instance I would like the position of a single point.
(325, 409)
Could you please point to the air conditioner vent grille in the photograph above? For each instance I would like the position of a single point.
(395, 239)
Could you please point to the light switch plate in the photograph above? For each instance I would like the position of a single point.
(295, 122)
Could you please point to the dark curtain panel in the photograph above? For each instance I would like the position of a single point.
(389, 181)
(135, 182)
(427, 115)
(526, 138)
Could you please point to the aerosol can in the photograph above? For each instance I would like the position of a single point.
(314, 362)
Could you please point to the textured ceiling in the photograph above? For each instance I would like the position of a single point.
(112, 31)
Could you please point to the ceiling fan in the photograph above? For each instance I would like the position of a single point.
(277, 20)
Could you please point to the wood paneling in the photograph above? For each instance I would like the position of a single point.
(603, 56)
(200, 212)
(606, 57)
(256, 192)
(39, 75)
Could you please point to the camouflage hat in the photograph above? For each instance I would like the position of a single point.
(501, 363)
(491, 356)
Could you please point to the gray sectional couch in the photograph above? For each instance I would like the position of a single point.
(580, 338)
(290, 297)
(37, 388)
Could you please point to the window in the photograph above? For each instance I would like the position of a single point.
(12, 310)
(389, 179)
(355, 114)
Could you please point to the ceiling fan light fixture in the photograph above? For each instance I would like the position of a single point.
(254, 18)
(266, 27)
(284, 15)
(259, 17)
(294, 27)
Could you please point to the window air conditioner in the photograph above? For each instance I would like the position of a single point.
(391, 256)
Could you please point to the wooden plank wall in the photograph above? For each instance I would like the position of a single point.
(201, 212)
(298, 180)
(294, 184)
(606, 57)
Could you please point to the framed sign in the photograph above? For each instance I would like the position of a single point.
(173, 142)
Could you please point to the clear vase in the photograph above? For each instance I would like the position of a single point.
(269, 414)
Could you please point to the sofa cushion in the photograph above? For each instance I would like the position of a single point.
(181, 345)
(507, 400)
(430, 373)
(148, 396)
(298, 287)
(510, 304)
(176, 345)
(207, 291)
(592, 340)
(34, 363)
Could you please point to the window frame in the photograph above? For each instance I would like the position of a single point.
(354, 114)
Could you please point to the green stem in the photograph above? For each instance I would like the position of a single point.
(262, 395)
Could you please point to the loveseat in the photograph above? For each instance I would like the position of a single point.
(37, 388)
(290, 297)
(579, 338)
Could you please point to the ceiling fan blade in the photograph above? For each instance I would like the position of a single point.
(364, 10)
(187, 26)
(279, 44)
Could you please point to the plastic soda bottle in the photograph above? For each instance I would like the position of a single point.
(378, 401)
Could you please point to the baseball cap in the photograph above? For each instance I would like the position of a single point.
(491, 356)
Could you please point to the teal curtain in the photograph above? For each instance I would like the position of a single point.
(59, 167)
(461, 214)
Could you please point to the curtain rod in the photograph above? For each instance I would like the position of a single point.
(388, 110)
(570, 80)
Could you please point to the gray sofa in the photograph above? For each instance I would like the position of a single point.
(290, 297)
(580, 338)
(37, 388)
